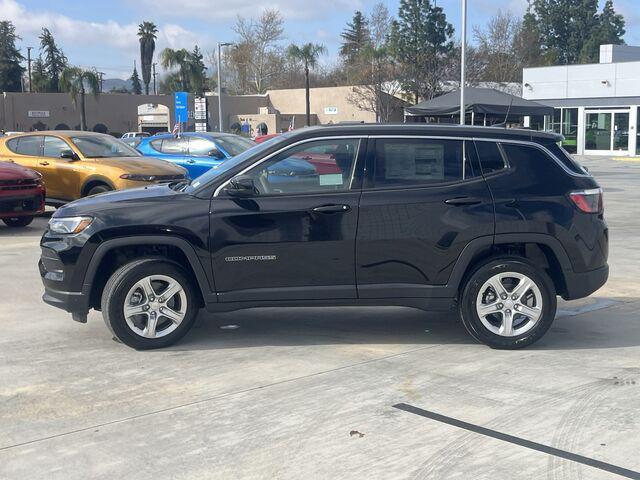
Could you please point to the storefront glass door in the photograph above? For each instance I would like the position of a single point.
(607, 132)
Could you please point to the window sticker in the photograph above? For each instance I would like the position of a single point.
(331, 179)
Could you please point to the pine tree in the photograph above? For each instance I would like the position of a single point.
(54, 60)
(136, 86)
(420, 41)
(10, 58)
(39, 77)
(197, 71)
(356, 38)
(610, 30)
(527, 44)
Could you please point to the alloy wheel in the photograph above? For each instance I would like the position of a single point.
(155, 306)
(509, 304)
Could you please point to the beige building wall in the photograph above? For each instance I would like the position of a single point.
(328, 104)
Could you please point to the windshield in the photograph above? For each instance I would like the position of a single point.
(98, 146)
(254, 151)
(233, 144)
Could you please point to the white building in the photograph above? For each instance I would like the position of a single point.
(596, 104)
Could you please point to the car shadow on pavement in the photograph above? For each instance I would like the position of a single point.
(615, 326)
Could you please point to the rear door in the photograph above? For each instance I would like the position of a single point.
(26, 150)
(424, 200)
(295, 238)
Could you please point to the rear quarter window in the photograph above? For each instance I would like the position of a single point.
(566, 159)
(491, 158)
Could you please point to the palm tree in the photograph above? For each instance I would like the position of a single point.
(179, 59)
(308, 54)
(76, 81)
(147, 33)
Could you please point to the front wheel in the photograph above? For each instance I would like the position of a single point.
(149, 303)
(16, 222)
(508, 303)
(99, 189)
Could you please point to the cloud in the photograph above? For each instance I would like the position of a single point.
(290, 9)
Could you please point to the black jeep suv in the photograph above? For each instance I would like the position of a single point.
(492, 222)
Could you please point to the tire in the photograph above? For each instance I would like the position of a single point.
(124, 286)
(17, 222)
(532, 314)
(98, 189)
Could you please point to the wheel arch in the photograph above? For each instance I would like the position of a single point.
(94, 181)
(113, 253)
(540, 249)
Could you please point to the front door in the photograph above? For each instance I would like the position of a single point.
(606, 132)
(295, 238)
(423, 201)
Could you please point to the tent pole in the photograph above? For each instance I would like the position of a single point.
(485, 120)
(463, 48)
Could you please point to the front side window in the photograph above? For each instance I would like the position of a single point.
(415, 162)
(201, 147)
(100, 146)
(54, 146)
(26, 145)
(318, 166)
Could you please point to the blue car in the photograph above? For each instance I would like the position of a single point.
(197, 152)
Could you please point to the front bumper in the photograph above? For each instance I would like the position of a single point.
(583, 284)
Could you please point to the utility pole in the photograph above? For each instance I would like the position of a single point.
(153, 67)
(29, 66)
(220, 122)
(101, 80)
(463, 61)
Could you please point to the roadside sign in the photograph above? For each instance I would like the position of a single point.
(180, 102)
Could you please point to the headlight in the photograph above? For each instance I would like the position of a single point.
(69, 225)
(136, 177)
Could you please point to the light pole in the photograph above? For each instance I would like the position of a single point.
(463, 49)
(29, 66)
(220, 45)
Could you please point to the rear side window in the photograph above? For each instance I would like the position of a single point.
(524, 155)
(566, 159)
(491, 159)
(26, 145)
(403, 162)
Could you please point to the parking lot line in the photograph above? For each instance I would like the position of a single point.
(624, 472)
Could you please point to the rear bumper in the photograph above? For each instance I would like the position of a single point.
(583, 284)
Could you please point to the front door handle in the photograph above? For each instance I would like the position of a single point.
(331, 209)
(191, 161)
(463, 201)
(44, 163)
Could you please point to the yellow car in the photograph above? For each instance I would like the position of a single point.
(78, 164)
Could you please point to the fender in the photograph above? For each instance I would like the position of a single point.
(208, 291)
(478, 244)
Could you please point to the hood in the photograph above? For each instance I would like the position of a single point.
(12, 171)
(117, 199)
(144, 165)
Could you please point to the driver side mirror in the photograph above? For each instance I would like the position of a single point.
(69, 154)
(217, 154)
(241, 187)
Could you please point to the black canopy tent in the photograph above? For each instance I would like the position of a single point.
(488, 101)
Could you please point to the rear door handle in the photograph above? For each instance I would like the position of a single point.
(44, 163)
(331, 209)
(463, 201)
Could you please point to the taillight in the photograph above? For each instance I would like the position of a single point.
(588, 201)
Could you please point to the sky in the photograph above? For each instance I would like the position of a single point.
(102, 34)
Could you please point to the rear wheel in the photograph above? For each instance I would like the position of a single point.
(102, 188)
(16, 222)
(508, 303)
(149, 303)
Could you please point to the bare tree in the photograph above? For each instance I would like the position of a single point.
(497, 47)
(256, 55)
(379, 24)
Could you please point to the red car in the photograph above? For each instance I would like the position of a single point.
(21, 194)
(324, 163)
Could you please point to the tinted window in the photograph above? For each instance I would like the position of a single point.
(320, 166)
(564, 156)
(54, 146)
(524, 155)
(491, 159)
(26, 145)
(175, 146)
(103, 146)
(234, 144)
(156, 145)
(199, 146)
(420, 161)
